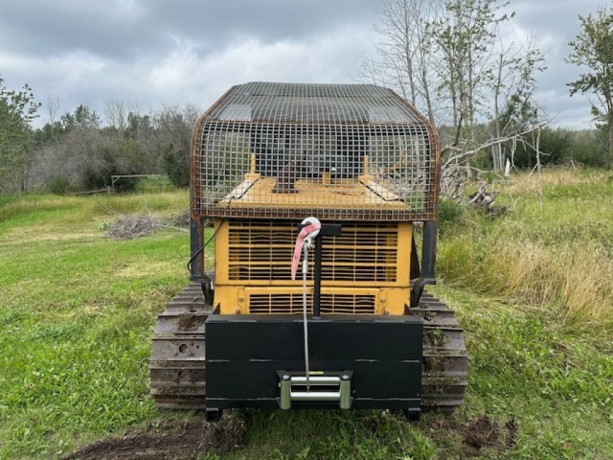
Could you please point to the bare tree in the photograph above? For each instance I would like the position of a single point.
(405, 59)
(448, 58)
(52, 109)
(116, 113)
(538, 168)
(73, 160)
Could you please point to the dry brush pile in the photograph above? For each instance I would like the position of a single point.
(131, 226)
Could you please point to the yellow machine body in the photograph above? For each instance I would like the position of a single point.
(365, 270)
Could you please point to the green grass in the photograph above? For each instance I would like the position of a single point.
(77, 311)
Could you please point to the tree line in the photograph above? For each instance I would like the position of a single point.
(76, 151)
(450, 58)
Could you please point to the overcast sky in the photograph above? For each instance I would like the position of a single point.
(151, 53)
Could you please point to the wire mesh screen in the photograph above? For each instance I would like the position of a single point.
(341, 152)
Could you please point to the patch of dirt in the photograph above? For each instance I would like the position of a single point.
(21, 235)
(471, 437)
(143, 269)
(486, 433)
(174, 440)
(190, 322)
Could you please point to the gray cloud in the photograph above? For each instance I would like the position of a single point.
(156, 52)
(122, 29)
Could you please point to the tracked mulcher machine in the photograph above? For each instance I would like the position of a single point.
(313, 197)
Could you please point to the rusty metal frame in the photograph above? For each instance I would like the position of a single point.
(292, 122)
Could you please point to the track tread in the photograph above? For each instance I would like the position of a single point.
(445, 363)
(177, 363)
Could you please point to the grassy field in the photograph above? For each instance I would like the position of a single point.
(534, 290)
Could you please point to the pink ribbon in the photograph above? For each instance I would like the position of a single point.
(304, 233)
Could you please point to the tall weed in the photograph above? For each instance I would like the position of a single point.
(558, 260)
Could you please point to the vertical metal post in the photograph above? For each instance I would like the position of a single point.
(428, 262)
(415, 270)
(345, 391)
(285, 393)
(196, 242)
(428, 250)
(326, 230)
(317, 278)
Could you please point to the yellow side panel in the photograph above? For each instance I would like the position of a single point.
(221, 250)
(405, 237)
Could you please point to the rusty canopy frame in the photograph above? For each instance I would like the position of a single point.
(337, 151)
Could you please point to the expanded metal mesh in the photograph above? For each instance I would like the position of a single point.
(341, 152)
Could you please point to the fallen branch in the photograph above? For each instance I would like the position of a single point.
(455, 170)
(485, 199)
(465, 154)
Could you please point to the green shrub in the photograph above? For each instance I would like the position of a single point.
(449, 213)
(60, 186)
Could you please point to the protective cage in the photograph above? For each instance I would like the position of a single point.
(340, 152)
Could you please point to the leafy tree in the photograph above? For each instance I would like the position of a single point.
(514, 111)
(465, 34)
(593, 49)
(82, 117)
(76, 153)
(48, 133)
(173, 136)
(561, 146)
(17, 110)
(139, 127)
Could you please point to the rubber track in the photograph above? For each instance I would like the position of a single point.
(177, 364)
